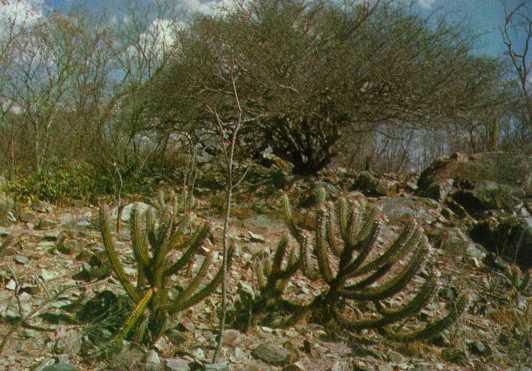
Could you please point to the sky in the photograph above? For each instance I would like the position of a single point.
(482, 17)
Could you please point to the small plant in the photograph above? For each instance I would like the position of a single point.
(56, 183)
(339, 259)
(7, 208)
(155, 303)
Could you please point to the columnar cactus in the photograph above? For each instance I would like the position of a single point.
(341, 258)
(153, 239)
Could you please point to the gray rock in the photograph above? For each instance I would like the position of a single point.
(511, 237)
(83, 221)
(454, 355)
(52, 235)
(60, 366)
(21, 259)
(47, 362)
(439, 190)
(476, 251)
(70, 343)
(153, 362)
(44, 224)
(478, 347)
(128, 209)
(272, 354)
(231, 337)
(488, 195)
(176, 364)
(372, 186)
(216, 367)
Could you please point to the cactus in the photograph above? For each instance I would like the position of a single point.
(342, 256)
(153, 238)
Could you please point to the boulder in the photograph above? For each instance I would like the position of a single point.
(373, 186)
(488, 195)
(439, 190)
(511, 169)
(510, 237)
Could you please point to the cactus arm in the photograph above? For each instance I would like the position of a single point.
(320, 247)
(134, 316)
(430, 330)
(140, 252)
(138, 240)
(389, 288)
(167, 245)
(371, 279)
(410, 309)
(306, 259)
(193, 285)
(113, 257)
(399, 248)
(280, 253)
(344, 219)
(367, 229)
(261, 277)
(194, 244)
(295, 231)
(205, 291)
(331, 233)
(364, 246)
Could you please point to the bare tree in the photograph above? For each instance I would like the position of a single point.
(518, 21)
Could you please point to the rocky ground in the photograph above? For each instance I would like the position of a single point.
(52, 264)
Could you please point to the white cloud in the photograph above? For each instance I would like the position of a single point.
(157, 39)
(21, 12)
(208, 7)
(426, 3)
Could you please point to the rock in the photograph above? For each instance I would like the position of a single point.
(44, 224)
(476, 251)
(4, 232)
(70, 343)
(394, 356)
(21, 259)
(47, 362)
(397, 208)
(128, 209)
(488, 195)
(439, 190)
(272, 354)
(47, 275)
(478, 347)
(372, 186)
(68, 247)
(454, 355)
(52, 235)
(295, 367)
(176, 364)
(512, 169)
(153, 362)
(231, 337)
(254, 237)
(60, 366)
(216, 367)
(82, 221)
(511, 237)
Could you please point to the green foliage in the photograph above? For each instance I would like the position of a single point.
(153, 238)
(343, 258)
(7, 207)
(56, 183)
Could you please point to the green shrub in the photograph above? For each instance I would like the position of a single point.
(56, 183)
